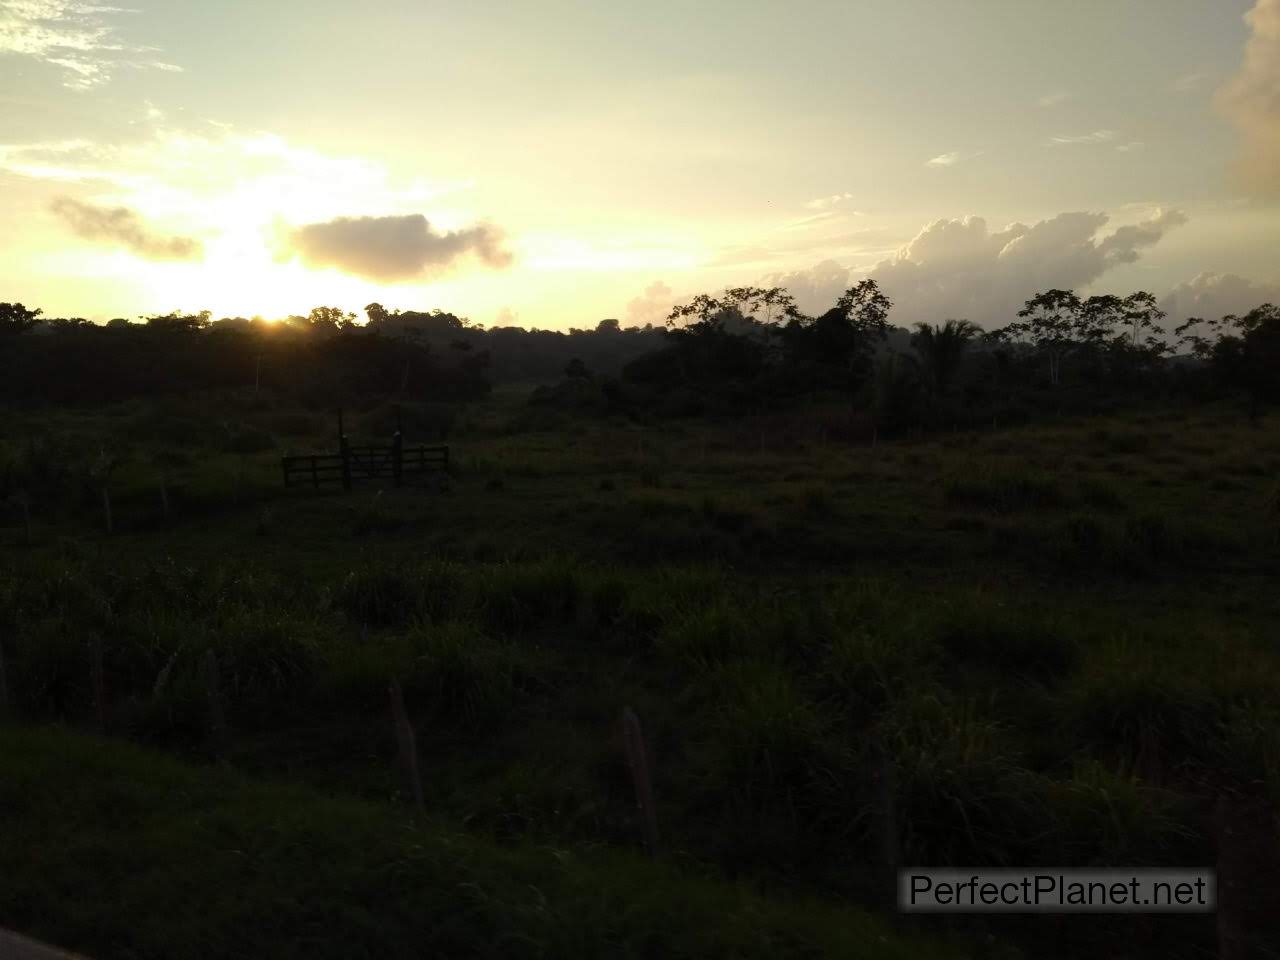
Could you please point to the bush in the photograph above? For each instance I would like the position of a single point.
(1006, 490)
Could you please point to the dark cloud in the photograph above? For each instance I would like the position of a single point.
(390, 249)
(123, 227)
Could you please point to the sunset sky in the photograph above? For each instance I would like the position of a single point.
(550, 164)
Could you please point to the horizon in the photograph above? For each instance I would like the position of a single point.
(531, 171)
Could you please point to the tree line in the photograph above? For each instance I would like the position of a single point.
(745, 350)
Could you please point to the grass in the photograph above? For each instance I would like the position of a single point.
(168, 860)
(1059, 662)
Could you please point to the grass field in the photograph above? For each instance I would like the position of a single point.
(1042, 645)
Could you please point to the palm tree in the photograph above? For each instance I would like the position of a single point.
(941, 348)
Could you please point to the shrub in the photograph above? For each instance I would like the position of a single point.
(379, 597)
(1005, 490)
(1017, 642)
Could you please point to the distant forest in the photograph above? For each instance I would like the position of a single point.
(745, 351)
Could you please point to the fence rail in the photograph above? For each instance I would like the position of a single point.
(394, 462)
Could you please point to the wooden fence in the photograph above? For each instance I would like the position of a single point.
(394, 462)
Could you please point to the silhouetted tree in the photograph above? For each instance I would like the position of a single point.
(15, 319)
(941, 349)
(1242, 351)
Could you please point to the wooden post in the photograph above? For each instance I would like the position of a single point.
(99, 685)
(162, 678)
(397, 458)
(4, 685)
(257, 372)
(213, 696)
(407, 744)
(346, 465)
(164, 498)
(638, 762)
(886, 800)
(1247, 850)
(25, 502)
(345, 452)
(106, 509)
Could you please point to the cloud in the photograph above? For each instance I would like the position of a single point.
(944, 160)
(1251, 100)
(506, 318)
(875, 241)
(1098, 136)
(391, 249)
(1131, 146)
(652, 306)
(74, 36)
(960, 268)
(1053, 99)
(122, 227)
(1189, 81)
(1214, 295)
(826, 203)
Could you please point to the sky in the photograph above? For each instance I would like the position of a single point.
(551, 164)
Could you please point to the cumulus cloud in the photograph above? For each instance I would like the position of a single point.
(390, 249)
(74, 36)
(1251, 99)
(961, 268)
(1214, 295)
(122, 227)
(652, 306)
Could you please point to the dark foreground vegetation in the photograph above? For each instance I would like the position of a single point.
(1024, 616)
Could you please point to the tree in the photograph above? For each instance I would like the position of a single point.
(941, 349)
(843, 340)
(701, 315)
(68, 324)
(178, 322)
(1051, 322)
(331, 320)
(575, 369)
(16, 319)
(1244, 352)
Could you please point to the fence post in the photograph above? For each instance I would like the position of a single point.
(4, 685)
(162, 678)
(164, 497)
(213, 694)
(106, 509)
(407, 744)
(99, 685)
(25, 502)
(397, 458)
(346, 464)
(638, 761)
